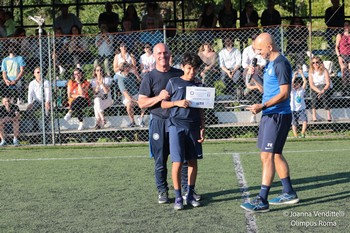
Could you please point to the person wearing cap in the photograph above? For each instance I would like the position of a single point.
(110, 18)
(66, 20)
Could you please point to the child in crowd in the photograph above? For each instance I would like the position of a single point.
(186, 129)
(297, 103)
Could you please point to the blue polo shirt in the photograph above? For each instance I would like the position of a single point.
(277, 72)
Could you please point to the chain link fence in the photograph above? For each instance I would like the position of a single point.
(104, 91)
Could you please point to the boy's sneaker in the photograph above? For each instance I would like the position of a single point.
(3, 143)
(196, 196)
(163, 198)
(81, 126)
(178, 204)
(256, 205)
(132, 125)
(192, 202)
(285, 199)
(67, 116)
(16, 142)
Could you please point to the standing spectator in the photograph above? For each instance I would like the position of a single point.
(230, 61)
(320, 85)
(186, 129)
(151, 94)
(342, 49)
(35, 93)
(248, 19)
(101, 87)
(209, 58)
(12, 68)
(270, 16)
(109, 18)
(129, 37)
(297, 34)
(297, 103)
(131, 16)
(78, 96)
(66, 20)
(129, 89)
(227, 15)
(104, 44)
(334, 19)
(124, 56)
(60, 55)
(79, 47)
(152, 14)
(152, 35)
(9, 113)
(10, 24)
(208, 18)
(147, 61)
(274, 125)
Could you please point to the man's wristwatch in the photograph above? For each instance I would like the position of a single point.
(264, 107)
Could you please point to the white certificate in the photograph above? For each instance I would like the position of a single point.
(200, 97)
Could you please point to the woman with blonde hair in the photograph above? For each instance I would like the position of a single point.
(320, 84)
(102, 95)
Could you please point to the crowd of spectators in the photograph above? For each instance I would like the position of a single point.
(127, 56)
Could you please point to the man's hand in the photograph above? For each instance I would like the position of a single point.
(164, 95)
(255, 108)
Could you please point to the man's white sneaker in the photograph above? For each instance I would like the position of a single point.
(67, 116)
(81, 126)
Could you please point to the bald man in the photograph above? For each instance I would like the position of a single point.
(274, 125)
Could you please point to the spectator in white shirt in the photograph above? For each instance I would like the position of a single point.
(104, 44)
(147, 61)
(230, 61)
(35, 97)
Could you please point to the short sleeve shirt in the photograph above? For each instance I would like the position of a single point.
(277, 73)
(153, 83)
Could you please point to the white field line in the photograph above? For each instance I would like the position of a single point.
(243, 186)
(146, 156)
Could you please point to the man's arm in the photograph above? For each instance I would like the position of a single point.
(146, 102)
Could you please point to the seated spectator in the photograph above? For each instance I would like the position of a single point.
(320, 85)
(101, 87)
(131, 15)
(209, 57)
(78, 47)
(122, 56)
(66, 21)
(12, 68)
(60, 55)
(227, 15)
(109, 18)
(9, 113)
(342, 49)
(147, 61)
(78, 96)
(35, 95)
(152, 15)
(104, 44)
(297, 34)
(230, 61)
(248, 54)
(129, 89)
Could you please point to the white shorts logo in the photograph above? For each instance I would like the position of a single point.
(155, 136)
(269, 146)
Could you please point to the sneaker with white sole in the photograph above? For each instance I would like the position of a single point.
(196, 196)
(3, 143)
(68, 116)
(178, 204)
(285, 199)
(192, 202)
(81, 126)
(141, 122)
(253, 119)
(16, 142)
(256, 205)
(163, 197)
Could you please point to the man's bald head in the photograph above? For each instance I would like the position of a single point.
(161, 54)
(265, 39)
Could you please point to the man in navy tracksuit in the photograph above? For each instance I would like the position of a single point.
(151, 95)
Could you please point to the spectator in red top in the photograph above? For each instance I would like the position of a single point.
(342, 49)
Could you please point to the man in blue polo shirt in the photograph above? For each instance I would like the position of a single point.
(274, 125)
(151, 94)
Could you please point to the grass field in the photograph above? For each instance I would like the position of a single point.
(111, 189)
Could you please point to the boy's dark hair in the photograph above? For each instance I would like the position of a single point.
(191, 59)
